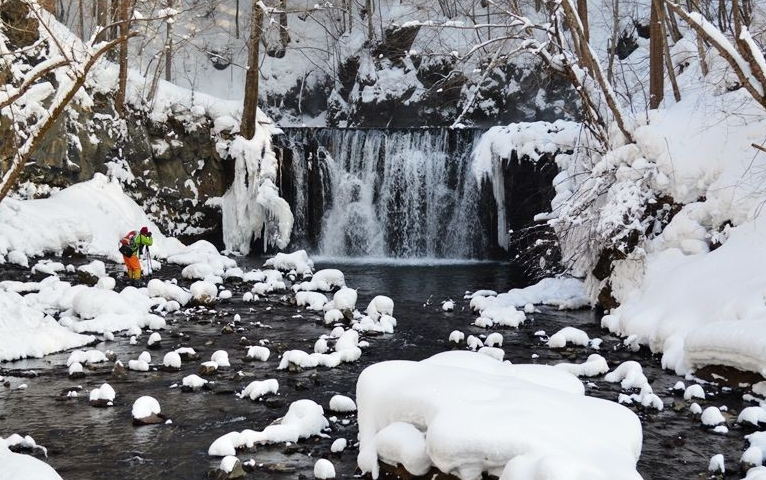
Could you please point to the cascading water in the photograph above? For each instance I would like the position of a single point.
(385, 193)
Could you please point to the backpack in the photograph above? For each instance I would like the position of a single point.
(127, 244)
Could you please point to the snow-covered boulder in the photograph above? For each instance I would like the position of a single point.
(342, 404)
(568, 336)
(311, 300)
(324, 469)
(204, 293)
(258, 352)
(20, 466)
(146, 411)
(102, 396)
(259, 388)
(324, 280)
(298, 261)
(594, 365)
(471, 414)
(172, 361)
(304, 419)
(192, 383)
(345, 299)
(168, 291)
(380, 305)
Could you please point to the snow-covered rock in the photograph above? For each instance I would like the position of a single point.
(146, 410)
(594, 365)
(380, 305)
(102, 396)
(568, 335)
(568, 431)
(259, 388)
(712, 416)
(324, 280)
(193, 382)
(204, 293)
(311, 300)
(323, 469)
(298, 261)
(341, 403)
(258, 352)
(172, 360)
(338, 445)
(345, 299)
(303, 419)
(221, 358)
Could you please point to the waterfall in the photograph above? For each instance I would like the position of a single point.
(384, 193)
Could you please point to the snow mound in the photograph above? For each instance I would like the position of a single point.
(568, 335)
(104, 392)
(303, 419)
(19, 466)
(342, 403)
(324, 469)
(28, 332)
(564, 293)
(258, 353)
(193, 382)
(479, 415)
(380, 305)
(168, 291)
(311, 300)
(259, 388)
(145, 407)
(298, 261)
(204, 292)
(324, 280)
(594, 365)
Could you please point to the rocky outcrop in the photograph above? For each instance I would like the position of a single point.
(169, 168)
(389, 85)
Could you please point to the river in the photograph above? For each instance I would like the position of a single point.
(86, 443)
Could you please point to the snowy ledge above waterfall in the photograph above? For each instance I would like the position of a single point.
(466, 413)
(532, 141)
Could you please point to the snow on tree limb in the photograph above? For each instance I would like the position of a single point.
(748, 73)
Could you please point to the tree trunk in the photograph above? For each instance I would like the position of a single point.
(582, 11)
(666, 51)
(250, 107)
(656, 58)
(169, 47)
(236, 19)
(49, 6)
(124, 11)
(613, 41)
(284, 33)
(672, 23)
(694, 6)
(80, 20)
(368, 12)
(115, 30)
(102, 18)
(723, 21)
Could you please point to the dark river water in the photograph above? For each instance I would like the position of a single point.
(86, 443)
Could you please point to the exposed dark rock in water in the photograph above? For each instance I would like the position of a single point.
(728, 376)
(236, 472)
(153, 419)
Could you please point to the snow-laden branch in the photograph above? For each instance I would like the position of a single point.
(64, 95)
(748, 72)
